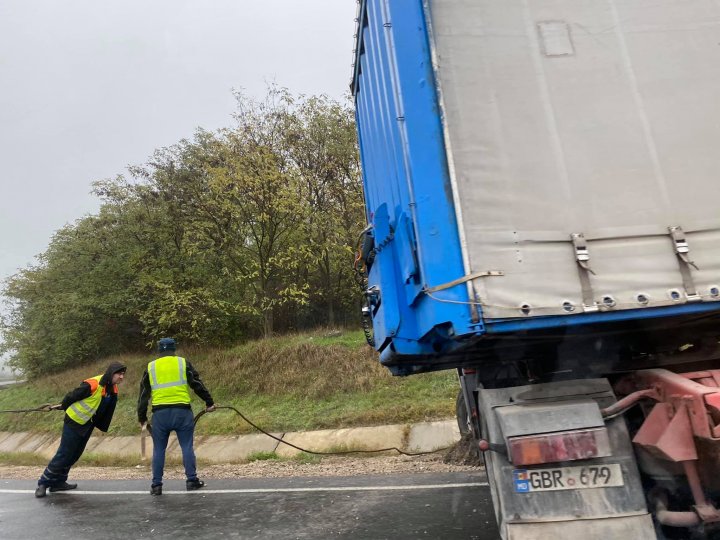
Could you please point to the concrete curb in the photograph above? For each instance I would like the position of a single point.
(420, 437)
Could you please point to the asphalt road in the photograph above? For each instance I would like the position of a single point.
(428, 506)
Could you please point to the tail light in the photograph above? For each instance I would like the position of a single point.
(560, 446)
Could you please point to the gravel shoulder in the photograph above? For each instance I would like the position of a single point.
(327, 466)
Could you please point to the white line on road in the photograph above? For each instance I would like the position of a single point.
(265, 490)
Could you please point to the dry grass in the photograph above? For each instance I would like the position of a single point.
(323, 379)
(286, 365)
(305, 369)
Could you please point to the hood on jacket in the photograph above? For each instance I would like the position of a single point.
(115, 367)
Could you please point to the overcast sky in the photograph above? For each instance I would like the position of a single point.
(88, 87)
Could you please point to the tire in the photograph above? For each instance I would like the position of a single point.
(461, 414)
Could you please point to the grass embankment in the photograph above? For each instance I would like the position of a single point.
(301, 382)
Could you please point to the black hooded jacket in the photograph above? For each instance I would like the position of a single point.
(105, 411)
(193, 380)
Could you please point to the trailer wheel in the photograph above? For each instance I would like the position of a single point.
(462, 416)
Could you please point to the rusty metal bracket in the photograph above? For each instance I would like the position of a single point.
(674, 426)
(667, 434)
(679, 390)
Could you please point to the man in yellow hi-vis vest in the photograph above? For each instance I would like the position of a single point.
(91, 405)
(167, 382)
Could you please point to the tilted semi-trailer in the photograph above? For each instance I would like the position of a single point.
(542, 180)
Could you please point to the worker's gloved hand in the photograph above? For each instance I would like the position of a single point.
(57, 407)
(211, 408)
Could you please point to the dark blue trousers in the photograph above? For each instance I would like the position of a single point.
(72, 444)
(180, 421)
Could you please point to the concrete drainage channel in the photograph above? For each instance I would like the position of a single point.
(419, 437)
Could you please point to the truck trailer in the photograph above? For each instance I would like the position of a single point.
(541, 183)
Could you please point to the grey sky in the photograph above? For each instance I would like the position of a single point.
(89, 87)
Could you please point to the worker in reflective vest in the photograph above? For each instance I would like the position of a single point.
(91, 405)
(167, 382)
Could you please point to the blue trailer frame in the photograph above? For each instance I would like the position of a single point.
(410, 202)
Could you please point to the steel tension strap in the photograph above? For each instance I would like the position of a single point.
(682, 250)
(582, 257)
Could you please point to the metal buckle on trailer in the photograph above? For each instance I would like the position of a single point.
(582, 256)
(682, 250)
(681, 246)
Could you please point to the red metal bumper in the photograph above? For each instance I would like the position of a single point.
(687, 412)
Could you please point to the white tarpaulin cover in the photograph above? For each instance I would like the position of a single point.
(593, 117)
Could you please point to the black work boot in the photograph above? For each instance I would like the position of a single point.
(40, 491)
(62, 487)
(192, 485)
(156, 490)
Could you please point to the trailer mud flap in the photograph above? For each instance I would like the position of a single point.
(638, 527)
(596, 497)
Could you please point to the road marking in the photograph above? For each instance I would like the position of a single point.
(263, 490)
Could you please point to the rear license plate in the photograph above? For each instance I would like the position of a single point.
(592, 476)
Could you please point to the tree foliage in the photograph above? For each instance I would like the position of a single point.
(235, 233)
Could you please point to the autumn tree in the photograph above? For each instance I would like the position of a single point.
(241, 232)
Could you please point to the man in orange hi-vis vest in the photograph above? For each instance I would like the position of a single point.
(91, 405)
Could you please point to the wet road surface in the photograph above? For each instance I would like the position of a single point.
(431, 506)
